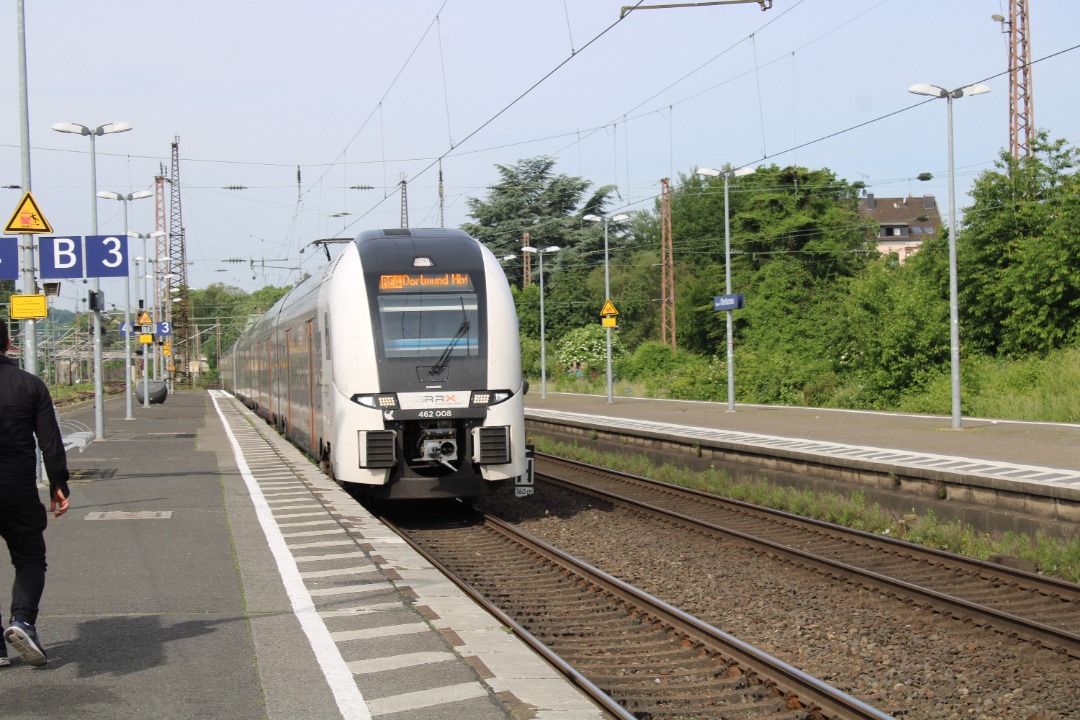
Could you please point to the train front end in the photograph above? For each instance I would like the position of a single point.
(436, 410)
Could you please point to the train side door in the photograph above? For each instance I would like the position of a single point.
(311, 387)
(269, 377)
(288, 382)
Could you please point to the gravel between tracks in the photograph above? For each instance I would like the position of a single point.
(905, 660)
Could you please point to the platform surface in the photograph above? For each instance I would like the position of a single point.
(206, 569)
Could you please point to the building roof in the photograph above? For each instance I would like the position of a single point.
(903, 223)
(902, 211)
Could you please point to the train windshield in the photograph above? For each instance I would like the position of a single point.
(429, 325)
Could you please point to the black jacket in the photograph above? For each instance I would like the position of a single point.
(26, 410)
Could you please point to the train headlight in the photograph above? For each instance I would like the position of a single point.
(486, 398)
(379, 401)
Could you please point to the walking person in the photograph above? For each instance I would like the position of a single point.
(26, 412)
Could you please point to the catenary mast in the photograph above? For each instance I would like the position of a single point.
(1021, 93)
(177, 286)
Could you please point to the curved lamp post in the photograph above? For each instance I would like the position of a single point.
(727, 174)
(543, 355)
(99, 385)
(144, 297)
(954, 309)
(607, 220)
(138, 195)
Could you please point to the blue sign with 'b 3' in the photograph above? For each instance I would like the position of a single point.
(94, 256)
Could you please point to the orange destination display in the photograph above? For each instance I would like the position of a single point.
(425, 281)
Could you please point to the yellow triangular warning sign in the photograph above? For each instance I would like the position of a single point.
(609, 309)
(28, 218)
(145, 319)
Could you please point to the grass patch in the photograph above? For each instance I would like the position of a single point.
(1052, 556)
(1029, 388)
(60, 392)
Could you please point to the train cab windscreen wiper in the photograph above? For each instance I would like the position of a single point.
(462, 331)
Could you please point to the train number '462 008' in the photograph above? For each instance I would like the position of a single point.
(435, 413)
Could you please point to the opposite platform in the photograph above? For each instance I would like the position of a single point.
(1011, 466)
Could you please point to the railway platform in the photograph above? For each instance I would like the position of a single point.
(1000, 474)
(206, 569)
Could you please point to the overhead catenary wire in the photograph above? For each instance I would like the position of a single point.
(505, 108)
(794, 145)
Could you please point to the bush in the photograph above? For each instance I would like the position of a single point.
(650, 360)
(530, 357)
(586, 347)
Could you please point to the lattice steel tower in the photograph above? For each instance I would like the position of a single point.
(667, 268)
(1021, 94)
(526, 261)
(177, 285)
(161, 251)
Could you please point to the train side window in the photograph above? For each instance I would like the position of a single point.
(326, 326)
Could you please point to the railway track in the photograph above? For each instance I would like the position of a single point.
(875, 634)
(619, 643)
(111, 387)
(1017, 603)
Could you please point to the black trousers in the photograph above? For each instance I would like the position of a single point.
(22, 525)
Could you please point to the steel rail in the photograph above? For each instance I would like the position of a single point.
(1051, 637)
(1050, 586)
(808, 690)
(598, 696)
(788, 678)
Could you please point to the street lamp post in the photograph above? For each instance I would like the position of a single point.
(954, 231)
(727, 174)
(144, 262)
(99, 384)
(543, 355)
(27, 279)
(163, 305)
(138, 195)
(607, 289)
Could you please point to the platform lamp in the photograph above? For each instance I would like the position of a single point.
(607, 220)
(144, 297)
(727, 174)
(540, 252)
(137, 195)
(165, 301)
(92, 133)
(954, 231)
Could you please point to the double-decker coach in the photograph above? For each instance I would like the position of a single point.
(399, 367)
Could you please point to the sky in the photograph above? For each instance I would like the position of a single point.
(300, 103)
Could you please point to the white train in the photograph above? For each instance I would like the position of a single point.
(399, 367)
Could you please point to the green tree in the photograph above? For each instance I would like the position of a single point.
(890, 334)
(807, 214)
(1018, 256)
(794, 234)
(531, 198)
(232, 307)
(213, 304)
(574, 299)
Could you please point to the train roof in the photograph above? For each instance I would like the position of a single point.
(391, 233)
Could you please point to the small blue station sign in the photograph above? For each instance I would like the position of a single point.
(728, 302)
